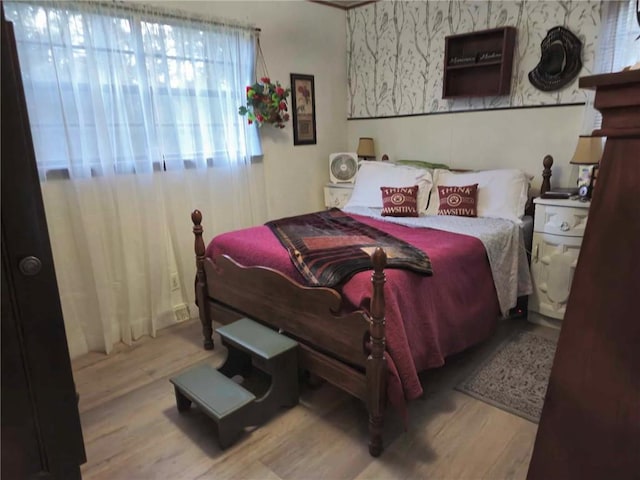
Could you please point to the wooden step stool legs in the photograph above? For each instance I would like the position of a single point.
(233, 406)
(284, 380)
(182, 402)
(283, 390)
(237, 363)
(230, 428)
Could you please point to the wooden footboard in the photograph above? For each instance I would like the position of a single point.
(348, 350)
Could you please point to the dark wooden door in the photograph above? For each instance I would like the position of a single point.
(41, 433)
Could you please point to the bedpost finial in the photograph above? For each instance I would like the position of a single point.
(547, 161)
(196, 217)
(379, 259)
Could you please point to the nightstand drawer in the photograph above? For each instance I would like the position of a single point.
(560, 220)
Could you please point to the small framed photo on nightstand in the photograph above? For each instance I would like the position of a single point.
(585, 180)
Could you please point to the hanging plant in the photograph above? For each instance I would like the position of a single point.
(266, 103)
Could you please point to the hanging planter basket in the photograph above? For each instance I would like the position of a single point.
(266, 100)
(266, 103)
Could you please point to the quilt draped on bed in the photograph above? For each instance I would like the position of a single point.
(427, 317)
(328, 247)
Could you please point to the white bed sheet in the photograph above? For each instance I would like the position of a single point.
(503, 240)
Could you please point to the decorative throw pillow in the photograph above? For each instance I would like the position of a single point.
(374, 175)
(461, 201)
(399, 201)
(502, 193)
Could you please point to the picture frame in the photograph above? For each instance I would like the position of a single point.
(303, 105)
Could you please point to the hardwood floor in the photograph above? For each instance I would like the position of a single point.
(132, 429)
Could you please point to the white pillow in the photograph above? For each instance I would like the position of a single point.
(373, 175)
(502, 193)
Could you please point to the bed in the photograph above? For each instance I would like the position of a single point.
(372, 334)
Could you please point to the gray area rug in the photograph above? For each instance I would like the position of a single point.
(514, 378)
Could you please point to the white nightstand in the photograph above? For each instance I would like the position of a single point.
(337, 194)
(558, 229)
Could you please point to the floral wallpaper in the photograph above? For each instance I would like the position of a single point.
(395, 55)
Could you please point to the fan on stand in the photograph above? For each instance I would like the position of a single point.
(343, 167)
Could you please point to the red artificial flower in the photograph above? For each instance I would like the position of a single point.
(280, 91)
(250, 122)
(286, 117)
(282, 106)
(265, 80)
(260, 117)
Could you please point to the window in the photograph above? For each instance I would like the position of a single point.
(115, 89)
(618, 47)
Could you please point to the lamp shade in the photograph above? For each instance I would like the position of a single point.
(588, 151)
(365, 147)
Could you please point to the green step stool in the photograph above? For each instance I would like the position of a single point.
(230, 405)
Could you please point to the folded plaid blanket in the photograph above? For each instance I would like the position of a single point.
(328, 247)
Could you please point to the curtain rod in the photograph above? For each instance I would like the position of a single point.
(119, 6)
(181, 15)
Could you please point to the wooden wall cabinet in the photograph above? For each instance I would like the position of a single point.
(478, 64)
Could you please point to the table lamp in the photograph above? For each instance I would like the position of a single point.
(365, 148)
(587, 156)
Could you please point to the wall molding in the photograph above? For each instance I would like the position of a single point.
(474, 110)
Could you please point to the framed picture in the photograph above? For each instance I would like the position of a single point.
(303, 100)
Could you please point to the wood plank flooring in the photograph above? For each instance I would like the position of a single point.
(132, 429)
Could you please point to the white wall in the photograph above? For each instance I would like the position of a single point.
(514, 138)
(297, 37)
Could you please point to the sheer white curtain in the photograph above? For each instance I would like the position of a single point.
(134, 121)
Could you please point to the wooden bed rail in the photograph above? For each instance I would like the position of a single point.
(201, 281)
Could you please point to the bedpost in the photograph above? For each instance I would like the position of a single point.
(377, 362)
(547, 162)
(201, 281)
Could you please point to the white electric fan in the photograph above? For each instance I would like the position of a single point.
(343, 167)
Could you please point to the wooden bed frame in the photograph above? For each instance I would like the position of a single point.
(347, 350)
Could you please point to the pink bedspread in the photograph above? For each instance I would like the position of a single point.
(427, 318)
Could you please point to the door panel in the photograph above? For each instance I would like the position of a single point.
(41, 433)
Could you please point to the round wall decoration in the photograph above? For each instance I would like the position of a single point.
(561, 60)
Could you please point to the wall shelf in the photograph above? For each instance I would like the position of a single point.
(467, 75)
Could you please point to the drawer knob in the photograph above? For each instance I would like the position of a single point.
(30, 266)
(564, 226)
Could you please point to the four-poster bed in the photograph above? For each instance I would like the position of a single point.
(350, 339)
